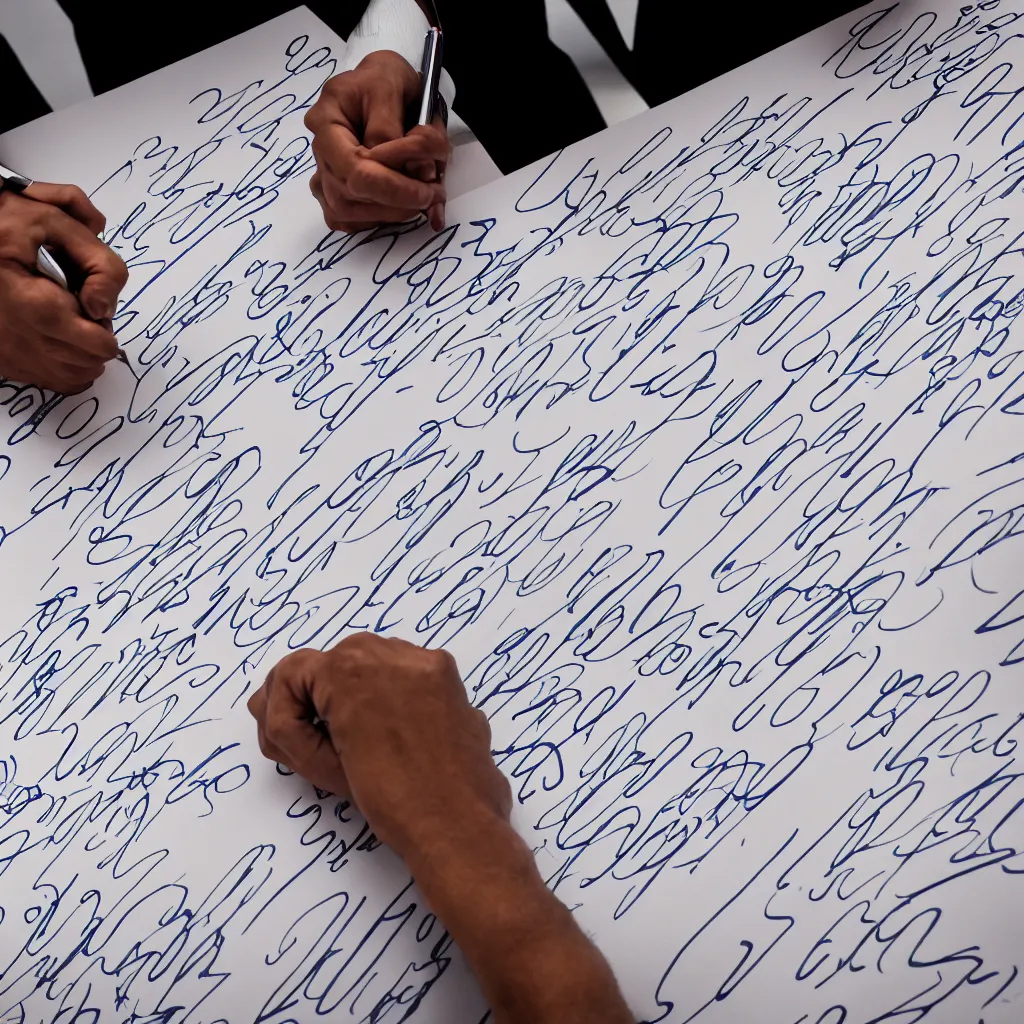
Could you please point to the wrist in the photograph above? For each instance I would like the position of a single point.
(395, 25)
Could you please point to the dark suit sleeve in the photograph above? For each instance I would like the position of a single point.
(521, 95)
(20, 100)
(679, 46)
(122, 40)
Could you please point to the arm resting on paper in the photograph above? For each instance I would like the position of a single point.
(534, 964)
(370, 169)
(389, 725)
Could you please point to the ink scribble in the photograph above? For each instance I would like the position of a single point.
(700, 445)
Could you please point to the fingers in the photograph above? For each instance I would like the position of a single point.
(68, 371)
(422, 170)
(49, 364)
(363, 152)
(257, 706)
(435, 215)
(351, 216)
(424, 156)
(55, 314)
(284, 712)
(72, 200)
(47, 339)
(421, 144)
(349, 172)
(387, 102)
(384, 118)
(372, 100)
(105, 273)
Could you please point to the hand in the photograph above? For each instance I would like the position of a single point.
(369, 170)
(44, 337)
(388, 724)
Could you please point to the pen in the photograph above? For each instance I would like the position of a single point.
(45, 263)
(432, 100)
(49, 267)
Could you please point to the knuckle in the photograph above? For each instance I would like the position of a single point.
(363, 641)
(356, 652)
(360, 176)
(444, 659)
(51, 216)
(274, 727)
(338, 84)
(379, 134)
(296, 662)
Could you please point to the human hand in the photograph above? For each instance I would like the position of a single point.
(44, 337)
(370, 171)
(388, 724)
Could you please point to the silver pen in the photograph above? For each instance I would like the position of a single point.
(45, 263)
(432, 101)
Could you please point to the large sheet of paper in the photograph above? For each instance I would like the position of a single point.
(700, 446)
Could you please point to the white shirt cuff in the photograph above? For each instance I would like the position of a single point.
(398, 25)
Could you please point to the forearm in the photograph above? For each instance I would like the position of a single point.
(533, 962)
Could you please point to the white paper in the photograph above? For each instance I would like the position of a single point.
(699, 446)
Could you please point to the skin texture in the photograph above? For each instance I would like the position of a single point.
(370, 170)
(389, 725)
(48, 337)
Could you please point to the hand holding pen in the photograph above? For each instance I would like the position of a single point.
(49, 336)
(380, 149)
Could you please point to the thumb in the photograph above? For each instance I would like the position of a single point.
(103, 272)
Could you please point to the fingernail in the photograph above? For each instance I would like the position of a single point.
(98, 307)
